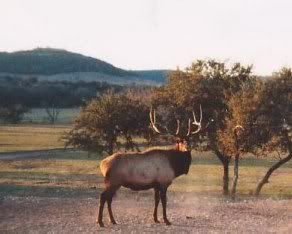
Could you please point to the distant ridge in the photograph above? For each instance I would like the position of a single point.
(60, 64)
(48, 61)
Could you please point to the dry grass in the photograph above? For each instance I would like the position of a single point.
(30, 137)
(75, 171)
(26, 137)
(207, 179)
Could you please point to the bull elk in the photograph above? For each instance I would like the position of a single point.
(153, 168)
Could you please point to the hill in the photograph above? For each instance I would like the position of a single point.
(154, 75)
(56, 64)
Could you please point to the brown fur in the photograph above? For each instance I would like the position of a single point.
(153, 168)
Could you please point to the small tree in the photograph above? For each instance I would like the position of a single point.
(54, 102)
(277, 120)
(12, 104)
(238, 136)
(52, 113)
(13, 113)
(264, 111)
(103, 120)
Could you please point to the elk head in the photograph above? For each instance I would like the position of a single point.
(182, 141)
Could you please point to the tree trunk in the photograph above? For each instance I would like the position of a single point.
(265, 179)
(236, 163)
(226, 177)
(235, 176)
(225, 160)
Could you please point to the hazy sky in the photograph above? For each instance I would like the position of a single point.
(149, 34)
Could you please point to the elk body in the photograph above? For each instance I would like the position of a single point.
(154, 168)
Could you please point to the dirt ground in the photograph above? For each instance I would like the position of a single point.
(133, 212)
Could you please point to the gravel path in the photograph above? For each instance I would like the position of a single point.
(133, 212)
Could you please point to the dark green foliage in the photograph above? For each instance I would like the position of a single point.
(105, 119)
(44, 62)
(33, 93)
(12, 103)
(211, 84)
(12, 113)
(154, 75)
(53, 61)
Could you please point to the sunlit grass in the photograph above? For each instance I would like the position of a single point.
(207, 179)
(49, 174)
(76, 171)
(31, 137)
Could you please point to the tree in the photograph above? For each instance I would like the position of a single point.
(263, 110)
(102, 121)
(12, 104)
(211, 84)
(239, 136)
(52, 113)
(12, 113)
(277, 120)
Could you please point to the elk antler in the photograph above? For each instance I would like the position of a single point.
(153, 120)
(195, 122)
(152, 115)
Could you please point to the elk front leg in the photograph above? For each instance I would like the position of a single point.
(163, 201)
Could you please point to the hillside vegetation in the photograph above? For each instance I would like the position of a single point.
(57, 65)
(53, 61)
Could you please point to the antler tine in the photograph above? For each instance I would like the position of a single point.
(189, 128)
(199, 129)
(153, 120)
(198, 123)
(201, 113)
(178, 127)
(195, 120)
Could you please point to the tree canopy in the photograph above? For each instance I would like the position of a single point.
(104, 121)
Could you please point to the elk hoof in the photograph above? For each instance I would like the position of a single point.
(167, 222)
(114, 222)
(156, 221)
(100, 224)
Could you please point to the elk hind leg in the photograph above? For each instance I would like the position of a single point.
(102, 200)
(109, 205)
(156, 198)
